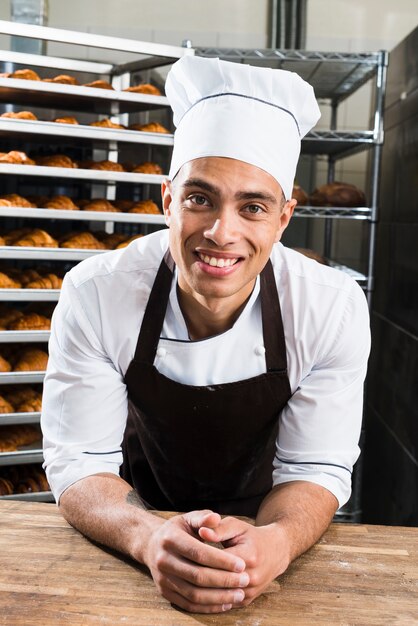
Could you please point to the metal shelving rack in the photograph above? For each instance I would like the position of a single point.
(115, 103)
(334, 77)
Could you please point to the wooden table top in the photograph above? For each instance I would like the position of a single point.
(51, 575)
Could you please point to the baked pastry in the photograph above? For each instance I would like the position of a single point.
(49, 281)
(5, 406)
(34, 405)
(123, 205)
(9, 315)
(4, 74)
(25, 75)
(32, 321)
(31, 360)
(18, 201)
(37, 238)
(128, 241)
(145, 206)
(148, 168)
(16, 157)
(61, 202)
(99, 84)
(107, 123)
(6, 487)
(17, 435)
(83, 240)
(338, 194)
(21, 393)
(112, 240)
(106, 165)
(311, 254)
(299, 195)
(152, 127)
(66, 120)
(56, 160)
(100, 205)
(64, 79)
(19, 115)
(5, 366)
(145, 88)
(8, 283)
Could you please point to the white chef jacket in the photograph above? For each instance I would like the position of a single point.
(95, 328)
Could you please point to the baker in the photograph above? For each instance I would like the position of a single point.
(206, 369)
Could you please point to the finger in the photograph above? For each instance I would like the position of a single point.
(203, 576)
(207, 518)
(201, 595)
(204, 554)
(229, 528)
(177, 600)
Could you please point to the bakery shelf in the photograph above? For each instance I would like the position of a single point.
(333, 75)
(338, 143)
(7, 419)
(50, 254)
(88, 216)
(34, 93)
(104, 176)
(29, 295)
(37, 496)
(20, 457)
(31, 130)
(24, 336)
(17, 378)
(359, 213)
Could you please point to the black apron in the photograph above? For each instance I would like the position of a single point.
(190, 447)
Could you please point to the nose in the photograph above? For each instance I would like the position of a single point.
(224, 230)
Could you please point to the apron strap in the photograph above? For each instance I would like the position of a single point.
(152, 323)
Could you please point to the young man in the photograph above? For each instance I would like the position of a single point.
(207, 369)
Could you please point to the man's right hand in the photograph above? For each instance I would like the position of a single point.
(191, 574)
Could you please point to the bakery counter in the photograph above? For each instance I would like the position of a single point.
(50, 574)
(79, 134)
(33, 93)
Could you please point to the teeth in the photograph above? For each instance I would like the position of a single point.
(215, 262)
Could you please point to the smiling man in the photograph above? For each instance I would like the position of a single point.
(206, 369)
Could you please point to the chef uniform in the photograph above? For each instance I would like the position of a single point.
(188, 446)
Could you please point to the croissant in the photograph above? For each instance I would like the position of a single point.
(128, 241)
(15, 157)
(5, 406)
(106, 165)
(32, 360)
(112, 240)
(4, 202)
(30, 406)
(5, 365)
(18, 201)
(61, 202)
(145, 206)
(37, 238)
(148, 168)
(21, 394)
(32, 321)
(123, 205)
(66, 120)
(49, 281)
(16, 435)
(145, 88)
(64, 79)
(99, 205)
(152, 127)
(99, 84)
(24, 276)
(56, 160)
(8, 283)
(37, 200)
(14, 235)
(6, 487)
(8, 316)
(107, 123)
(20, 115)
(83, 240)
(25, 75)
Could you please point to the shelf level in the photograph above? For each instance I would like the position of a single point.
(50, 254)
(17, 378)
(359, 213)
(21, 457)
(29, 295)
(88, 216)
(7, 419)
(40, 496)
(103, 176)
(24, 336)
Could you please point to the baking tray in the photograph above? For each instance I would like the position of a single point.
(23, 336)
(17, 378)
(7, 419)
(78, 173)
(88, 216)
(29, 295)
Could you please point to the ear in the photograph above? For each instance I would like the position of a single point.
(167, 198)
(286, 214)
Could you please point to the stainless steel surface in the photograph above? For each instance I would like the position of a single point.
(24, 336)
(85, 216)
(29, 12)
(21, 457)
(17, 378)
(66, 172)
(75, 97)
(50, 254)
(29, 295)
(29, 129)
(357, 213)
(41, 496)
(59, 63)
(19, 418)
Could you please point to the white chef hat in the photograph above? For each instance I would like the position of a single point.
(253, 114)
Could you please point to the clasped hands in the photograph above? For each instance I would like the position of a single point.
(199, 577)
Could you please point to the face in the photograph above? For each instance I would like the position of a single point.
(224, 216)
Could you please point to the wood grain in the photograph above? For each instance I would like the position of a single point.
(51, 575)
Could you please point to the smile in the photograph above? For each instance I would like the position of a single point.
(215, 262)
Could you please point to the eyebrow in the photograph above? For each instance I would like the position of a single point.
(240, 195)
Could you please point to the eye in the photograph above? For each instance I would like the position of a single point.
(254, 209)
(198, 199)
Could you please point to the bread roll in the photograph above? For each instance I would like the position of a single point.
(61, 202)
(83, 240)
(106, 165)
(16, 157)
(25, 75)
(145, 206)
(148, 168)
(152, 127)
(64, 79)
(19, 115)
(107, 123)
(146, 88)
(56, 160)
(338, 194)
(66, 120)
(300, 195)
(31, 360)
(99, 84)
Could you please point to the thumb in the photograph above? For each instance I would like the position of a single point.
(228, 529)
(206, 518)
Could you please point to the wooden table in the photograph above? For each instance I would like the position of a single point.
(50, 576)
